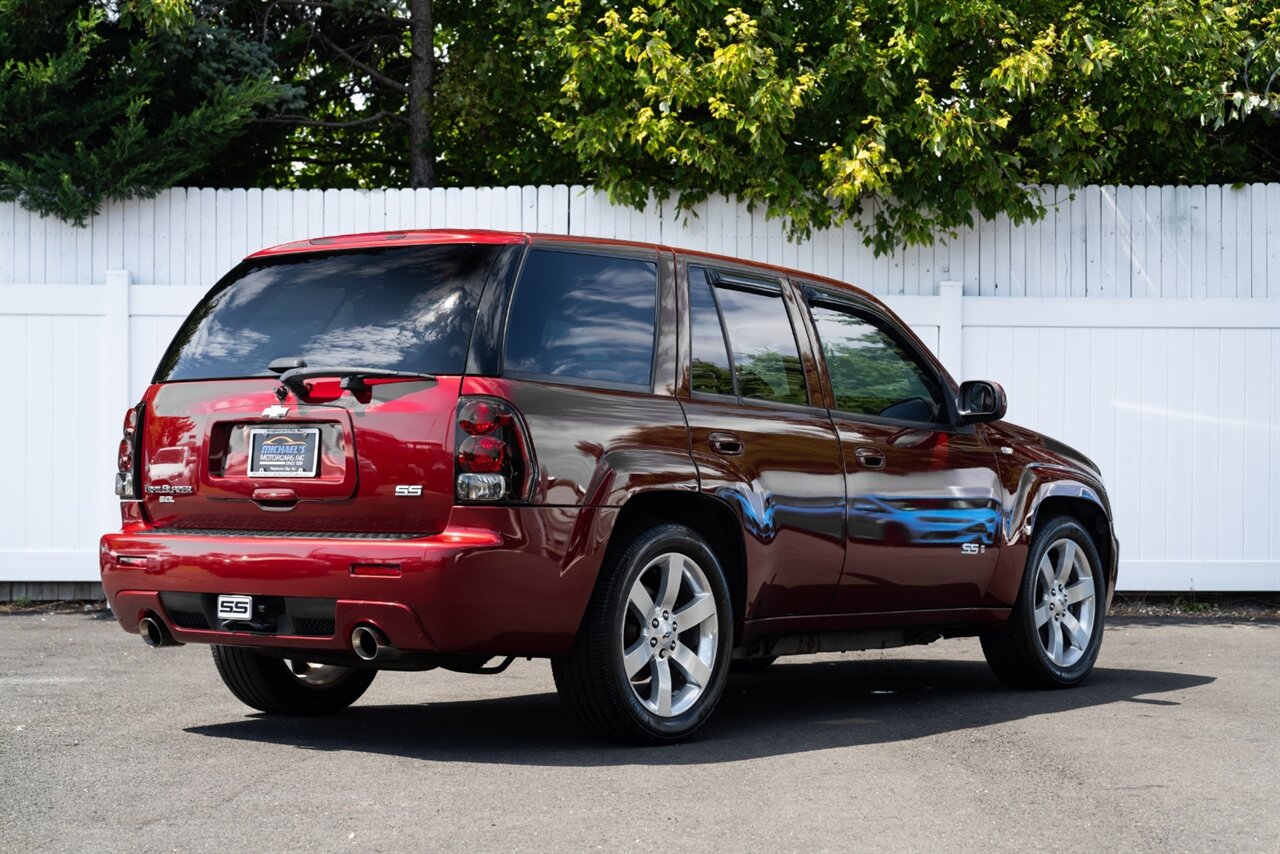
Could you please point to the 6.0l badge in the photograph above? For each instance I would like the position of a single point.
(166, 489)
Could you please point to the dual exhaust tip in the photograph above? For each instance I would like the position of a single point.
(155, 633)
(367, 643)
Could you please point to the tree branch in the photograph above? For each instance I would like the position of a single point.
(378, 76)
(317, 4)
(306, 122)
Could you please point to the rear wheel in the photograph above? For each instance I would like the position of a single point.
(1055, 630)
(289, 687)
(651, 659)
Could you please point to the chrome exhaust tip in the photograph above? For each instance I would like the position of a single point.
(369, 644)
(154, 633)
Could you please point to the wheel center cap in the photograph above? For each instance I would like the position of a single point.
(663, 627)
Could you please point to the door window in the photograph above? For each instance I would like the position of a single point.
(766, 360)
(711, 373)
(584, 317)
(871, 372)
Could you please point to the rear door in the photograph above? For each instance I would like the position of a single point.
(924, 496)
(226, 446)
(759, 441)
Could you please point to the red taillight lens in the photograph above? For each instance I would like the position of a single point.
(478, 417)
(127, 455)
(481, 454)
(492, 460)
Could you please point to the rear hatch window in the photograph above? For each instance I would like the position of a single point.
(403, 309)
(226, 448)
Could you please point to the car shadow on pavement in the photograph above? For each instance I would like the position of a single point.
(790, 708)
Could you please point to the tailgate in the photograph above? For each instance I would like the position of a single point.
(228, 455)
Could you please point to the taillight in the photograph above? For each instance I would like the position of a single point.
(127, 455)
(492, 460)
(486, 454)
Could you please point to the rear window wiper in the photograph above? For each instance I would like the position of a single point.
(296, 372)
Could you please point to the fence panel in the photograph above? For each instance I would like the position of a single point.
(1138, 324)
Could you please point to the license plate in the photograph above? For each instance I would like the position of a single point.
(283, 451)
(235, 607)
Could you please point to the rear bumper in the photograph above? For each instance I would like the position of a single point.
(512, 581)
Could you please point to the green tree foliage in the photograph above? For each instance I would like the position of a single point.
(919, 112)
(106, 100)
(500, 77)
(494, 77)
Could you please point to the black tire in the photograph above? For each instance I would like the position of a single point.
(752, 665)
(592, 679)
(1020, 652)
(269, 685)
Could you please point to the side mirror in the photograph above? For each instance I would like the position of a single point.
(981, 400)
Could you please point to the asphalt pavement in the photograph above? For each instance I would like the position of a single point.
(1172, 745)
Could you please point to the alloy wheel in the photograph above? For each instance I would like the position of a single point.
(1065, 602)
(670, 632)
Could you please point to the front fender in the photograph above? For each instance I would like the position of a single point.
(1037, 483)
(1040, 481)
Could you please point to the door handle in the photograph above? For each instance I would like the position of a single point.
(728, 444)
(871, 458)
(275, 499)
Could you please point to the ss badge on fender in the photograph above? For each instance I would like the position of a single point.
(972, 548)
(407, 491)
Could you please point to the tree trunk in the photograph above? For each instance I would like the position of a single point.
(422, 158)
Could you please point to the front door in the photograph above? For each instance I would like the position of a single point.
(923, 504)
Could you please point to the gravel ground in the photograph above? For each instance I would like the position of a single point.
(1171, 745)
(1210, 606)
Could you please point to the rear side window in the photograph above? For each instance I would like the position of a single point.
(403, 309)
(765, 357)
(584, 317)
(871, 372)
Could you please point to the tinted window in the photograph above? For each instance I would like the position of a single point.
(871, 373)
(407, 309)
(584, 317)
(710, 364)
(765, 358)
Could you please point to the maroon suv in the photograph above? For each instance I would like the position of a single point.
(652, 466)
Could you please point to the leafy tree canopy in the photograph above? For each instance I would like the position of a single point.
(106, 100)
(493, 77)
(915, 113)
(920, 112)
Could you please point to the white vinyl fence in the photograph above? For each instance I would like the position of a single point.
(1138, 324)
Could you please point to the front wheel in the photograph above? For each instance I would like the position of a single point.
(650, 661)
(1055, 630)
(295, 687)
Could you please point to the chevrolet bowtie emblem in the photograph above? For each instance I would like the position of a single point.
(275, 412)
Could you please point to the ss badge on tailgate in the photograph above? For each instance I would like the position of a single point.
(407, 491)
